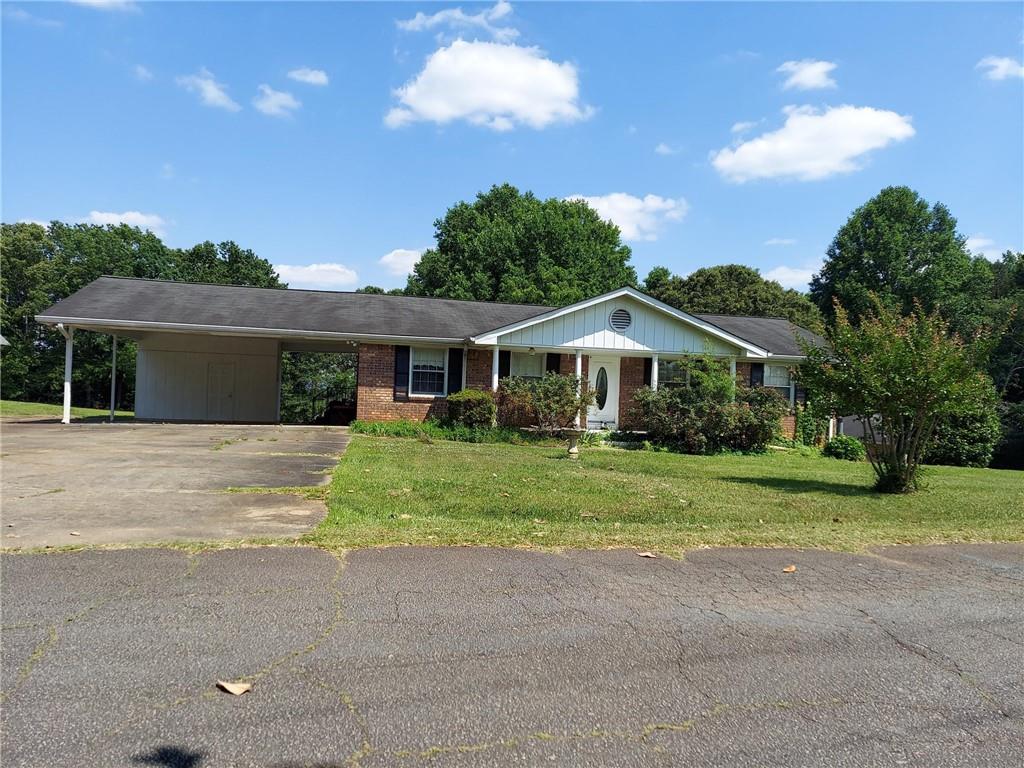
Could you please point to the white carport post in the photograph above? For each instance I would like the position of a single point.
(69, 351)
(579, 382)
(113, 377)
(654, 371)
(732, 375)
(494, 369)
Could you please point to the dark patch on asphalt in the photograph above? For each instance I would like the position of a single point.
(485, 657)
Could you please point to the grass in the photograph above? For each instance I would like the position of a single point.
(14, 408)
(388, 492)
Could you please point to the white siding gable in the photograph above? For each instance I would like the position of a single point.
(587, 328)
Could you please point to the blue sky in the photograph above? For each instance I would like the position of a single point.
(333, 134)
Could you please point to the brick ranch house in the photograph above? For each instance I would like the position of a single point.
(213, 352)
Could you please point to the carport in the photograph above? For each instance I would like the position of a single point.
(209, 355)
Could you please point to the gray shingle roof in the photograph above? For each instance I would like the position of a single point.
(161, 301)
(113, 300)
(776, 334)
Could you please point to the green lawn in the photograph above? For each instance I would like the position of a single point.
(400, 491)
(13, 408)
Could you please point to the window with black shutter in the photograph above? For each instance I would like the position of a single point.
(504, 364)
(455, 370)
(401, 373)
(553, 363)
(757, 374)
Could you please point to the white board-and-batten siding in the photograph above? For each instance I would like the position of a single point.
(588, 328)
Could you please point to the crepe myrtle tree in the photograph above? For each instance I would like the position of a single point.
(900, 375)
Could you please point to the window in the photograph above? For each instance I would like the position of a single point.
(777, 377)
(672, 373)
(527, 366)
(428, 370)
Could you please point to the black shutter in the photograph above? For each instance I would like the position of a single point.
(553, 363)
(454, 370)
(401, 373)
(504, 364)
(757, 374)
(648, 366)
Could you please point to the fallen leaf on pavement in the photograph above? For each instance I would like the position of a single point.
(74, 533)
(646, 554)
(789, 569)
(235, 689)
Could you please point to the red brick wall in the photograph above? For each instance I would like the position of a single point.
(631, 378)
(789, 426)
(375, 389)
(743, 374)
(567, 366)
(478, 369)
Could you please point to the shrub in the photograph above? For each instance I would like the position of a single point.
(550, 403)
(472, 408)
(811, 423)
(845, 447)
(967, 439)
(434, 430)
(708, 419)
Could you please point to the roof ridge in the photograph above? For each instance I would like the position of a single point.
(318, 290)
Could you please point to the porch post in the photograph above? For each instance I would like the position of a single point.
(654, 371)
(113, 377)
(494, 369)
(579, 382)
(465, 364)
(732, 374)
(69, 346)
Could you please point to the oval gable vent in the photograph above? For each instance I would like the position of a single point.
(620, 320)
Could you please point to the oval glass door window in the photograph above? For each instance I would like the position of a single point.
(601, 388)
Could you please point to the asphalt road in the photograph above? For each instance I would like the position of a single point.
(476, 657)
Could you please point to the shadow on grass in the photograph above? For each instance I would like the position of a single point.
(804, 486)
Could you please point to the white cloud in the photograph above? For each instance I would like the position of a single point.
(666, 149)
(23, 16)
(984, 246)
(490, 84)
(813, 144)
(400, 261)
(456, 18)
(743, 126)
(211, 93)
(324, 276)
(109, 5)
(275, 103)
(807, 74)
(638, 218)
(151, 221)
(143, 73)
(780, 241)
(793, 277)
(1000, 67)
(43, 224)
(309, 76)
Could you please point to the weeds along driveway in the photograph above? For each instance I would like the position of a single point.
(133, 483)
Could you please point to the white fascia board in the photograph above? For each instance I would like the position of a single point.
(491, 337)
(232, 330)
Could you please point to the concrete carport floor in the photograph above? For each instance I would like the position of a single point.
(133, 482)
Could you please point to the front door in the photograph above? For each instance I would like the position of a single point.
(220, 392)
(603, 377)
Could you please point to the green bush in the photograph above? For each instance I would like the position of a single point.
(472, 408)
(811, 423)
(967, 438)
(712, 414)
(845, 447)
(549, 403)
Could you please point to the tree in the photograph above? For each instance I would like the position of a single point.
(731, 289)
(899, 250)
(41, 265)
(1006, 365)
(901, 376)
(510, 246)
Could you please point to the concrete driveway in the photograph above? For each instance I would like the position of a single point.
(120, 483)
(482, 657)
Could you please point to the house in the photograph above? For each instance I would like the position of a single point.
(213, 352)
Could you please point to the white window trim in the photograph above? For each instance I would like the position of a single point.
(790, 382)
(444, 373)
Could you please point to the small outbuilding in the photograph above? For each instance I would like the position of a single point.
(213, 352)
